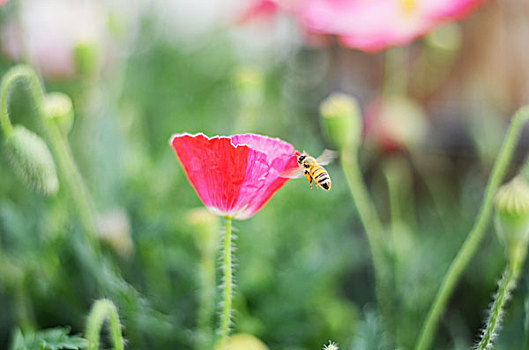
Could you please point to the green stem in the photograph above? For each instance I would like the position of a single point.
(402, 214)
(507, 284)
(396, 76)
(104, 309)
(475, 236)
(401, 204)
(75, 186)
(227, 287)
(374, 231)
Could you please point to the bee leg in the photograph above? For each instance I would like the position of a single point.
(308, 178)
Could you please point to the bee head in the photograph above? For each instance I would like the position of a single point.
(301, 158)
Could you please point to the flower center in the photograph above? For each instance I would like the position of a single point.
(408, 6)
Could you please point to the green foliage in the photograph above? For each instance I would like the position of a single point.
(49, 339)
(302, 265)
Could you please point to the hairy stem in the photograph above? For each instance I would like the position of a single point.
(506, 285)
(227, 287)
(374, 232)
(475, 236)
(102, 310)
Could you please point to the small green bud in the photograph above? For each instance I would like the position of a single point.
(206, 227)
(249, 81)
(31, 160)
(244, 341)
(59, 109)
(512, 216)
(86, 58)
(341, 120)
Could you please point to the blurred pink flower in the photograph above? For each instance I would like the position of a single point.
(395, 123)
(49, 31)
(2, 2)
(373, 25)
(235, 175)
(258, 9)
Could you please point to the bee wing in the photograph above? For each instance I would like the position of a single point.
(292, 173)
(326, 157)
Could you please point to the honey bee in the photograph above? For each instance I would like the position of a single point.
(313, 170)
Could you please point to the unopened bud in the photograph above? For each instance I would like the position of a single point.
(86, 58)
(512, 216)
(245, 342)
(206, 227)
(31, 160)
(59, 110)
(249, 81)
(341, 120)
(113, 228)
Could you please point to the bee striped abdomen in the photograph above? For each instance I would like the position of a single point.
(321, 177)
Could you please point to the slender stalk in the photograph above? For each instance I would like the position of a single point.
(475, 236)
(396, 76)
(102, 310)
(507, 284)
(227, 287)
(374, 232)
(402, 213)
(75, 185)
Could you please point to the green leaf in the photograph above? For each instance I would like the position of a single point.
(48, 339)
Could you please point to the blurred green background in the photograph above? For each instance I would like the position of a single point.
(303, 268)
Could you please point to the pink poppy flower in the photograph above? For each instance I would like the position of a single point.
(258, 9)
(373, 25)
(234, 176)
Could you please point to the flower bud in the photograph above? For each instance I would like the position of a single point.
(244, 341)
(113, 228)
(512, 216)
(59, 110)
(341, 120)
(31, 160)
(206, 228)
(86, 58)
(250, 84)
